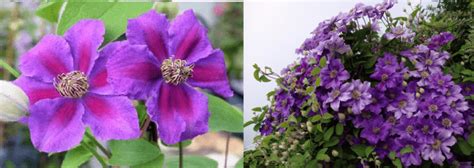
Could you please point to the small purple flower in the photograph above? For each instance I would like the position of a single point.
(162, 63)
(438, 149)
(431, 61)
(406, 127)
(467, 89)
(451, 123)
(333, 74)
(440, 82)
(389, 61)
(338, 95)
(375, 131)
(424, 130)
(386, 73)
(401, 33)
(404, 104)
(436, 41)
(360, 96)
(413, 157)
(378, 101)
(433, 106)
(66, 81)
(415, 52)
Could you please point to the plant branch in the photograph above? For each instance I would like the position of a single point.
(9, 68)
(145, 126)
(101, 147)
(180, 155)
(96, 155)
(226, 150)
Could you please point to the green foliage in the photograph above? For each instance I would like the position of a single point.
(133, 152)
(114, 15)
(50, 11)
(76, 157)
(224, 117)
(191, 162)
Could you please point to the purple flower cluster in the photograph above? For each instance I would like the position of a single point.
(417, 107)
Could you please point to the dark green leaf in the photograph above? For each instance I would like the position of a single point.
(397, 163)
(155, 163)
(327, 116)
(321, 155)
(369, 150)
(406, 150)
(339, 129)
(328, 134)
(191, 162)
(224, 117)
(132, 152)
(114, 15)
(76, 157)
(470, 139)
(322, 62)
(359, 150)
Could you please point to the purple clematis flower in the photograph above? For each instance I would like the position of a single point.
(404, 104)
(378, 101)
(66, 82)
(433, 106)
(161, 63)
(360, 96)
(388, 78)
(401, 33)
(436, 41)
(431, 61)
(333, 74)
(439, 149)
(338, 95)
(375, 131)
(440, 82)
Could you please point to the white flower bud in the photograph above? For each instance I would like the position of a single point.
(334, 153)
(13, 102)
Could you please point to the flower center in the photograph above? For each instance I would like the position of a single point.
(333, 74)
(392, 120)
(468, 89)
(366, 115)
(384, 77)
(72, 85)
(409, 129)
(429, 62)
(335, 93)
(437, 144)
(388, 62)
(425, 129)
(440, 82)
(446, 122)
(356, 94)
(402, 104)
(176, 71)
(424, 74)
(376, 130)
(433, 108)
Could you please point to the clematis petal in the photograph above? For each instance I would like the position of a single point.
(98, 76)
(189, 38)
(50, 57)
(111, 117)
(210, 73)
(56, 124)
(36, 89)
(85, 38)
(180, 111)
(150, 29)
(132, 70)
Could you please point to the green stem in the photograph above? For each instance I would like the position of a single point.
(226, 150)
(96, 155)
(9, 68)
(180, 155)
(102, 148)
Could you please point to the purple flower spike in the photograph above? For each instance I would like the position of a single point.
(438, 149)
(360, 96)
(338, 95)
(161, 63)
(333, 74)
(66, 81)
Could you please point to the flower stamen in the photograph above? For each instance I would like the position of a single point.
(176, 71)
(71, 85)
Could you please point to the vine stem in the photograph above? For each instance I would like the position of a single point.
(9, 68)
(227, 150)
(145, 126)
(102, 148)
(96, 155)
(180, 155)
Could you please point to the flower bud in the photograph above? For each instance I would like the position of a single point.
(13, 102)
(334, 153)
(309, 124)
(341, 116)
(404, 83)
(422, 90)
(417, 95)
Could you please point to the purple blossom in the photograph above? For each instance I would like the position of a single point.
(333, 74)
(438, 149)
(338, 95)
(433, 105)
(66, 82)
(415, 52)
(467, 89)
(388, 78)
(378, 101)
(360, 96)
(172, 59)
(404, 104)
(440, 82)
(375, 131)
(424, 130)
(436, 41)
(431, 61)
(406, 127)
(401, 33)
(413, 157)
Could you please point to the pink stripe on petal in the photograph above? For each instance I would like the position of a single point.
(85, 38)
(51, 56)
(189, 39)
(36, 90)
(111, 117)
(150, 29)
(56, 124)
(180, 111)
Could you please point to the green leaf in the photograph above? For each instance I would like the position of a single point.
(465, 148)
(339, 129)
(155, 163)
(327, 116)
(318, 81)
(114, 15)
(50, 11)
(322, 62)
(328, 133)
(240, 163)
(133, 152)
(76, 157)
(369, 150)
(359, 150)
(191, 162)
(392, 155)
(406, 150)
(397, 163)
(224, 117)
(470, 139)
(321, 155)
